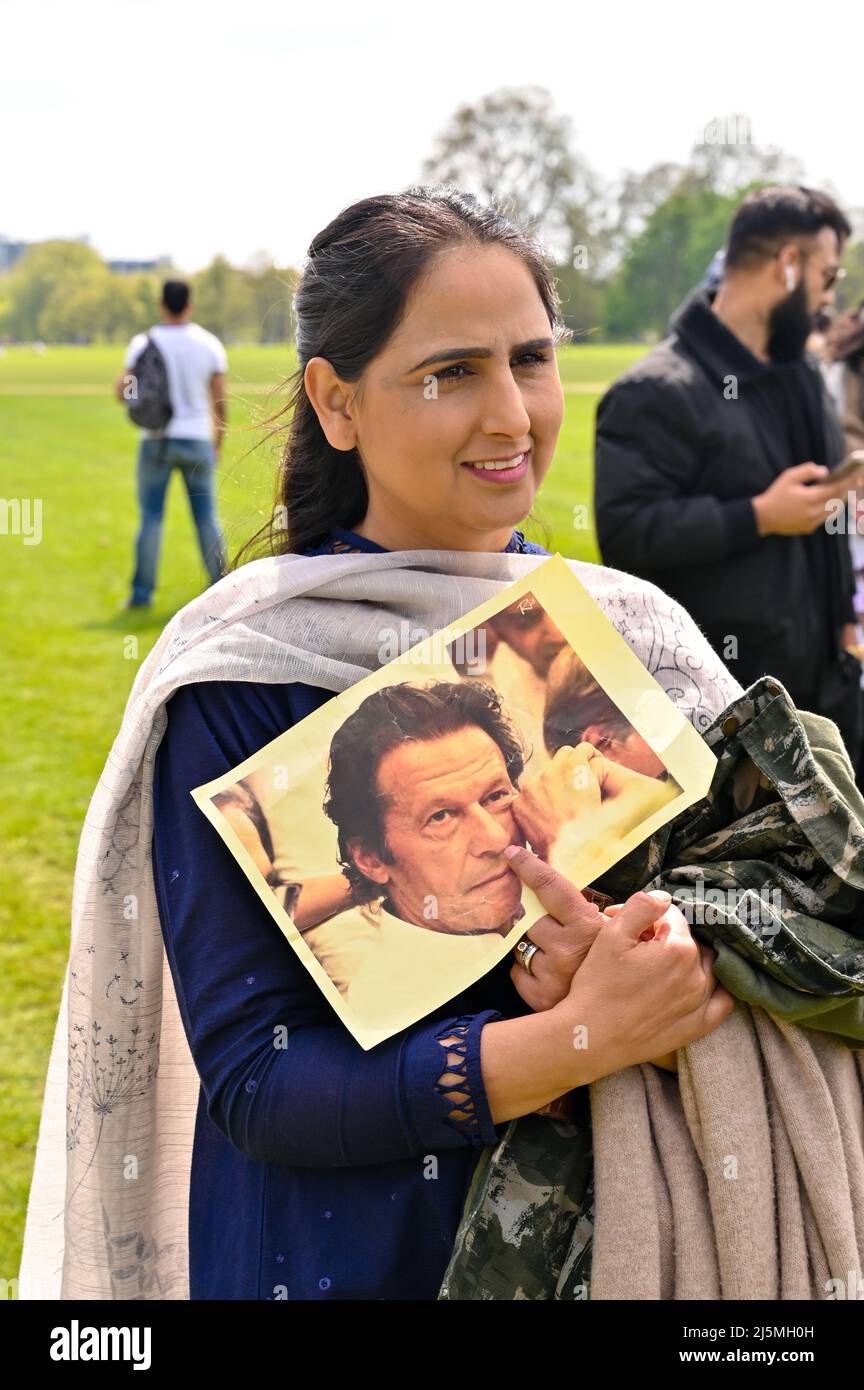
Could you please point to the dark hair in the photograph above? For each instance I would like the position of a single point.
(769, 216)
(175, 296)
(384, 721)
(349, 302)
(574, 701)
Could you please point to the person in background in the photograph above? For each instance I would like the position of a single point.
(712, 455)
(844, 373)
(713, 276)
(817, 343)
(843, 370)
(196, 365)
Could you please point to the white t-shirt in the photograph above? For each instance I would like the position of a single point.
(191, 355)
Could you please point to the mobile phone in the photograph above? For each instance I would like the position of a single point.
(853, 463)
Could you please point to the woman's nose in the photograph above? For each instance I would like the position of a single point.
(503, 407)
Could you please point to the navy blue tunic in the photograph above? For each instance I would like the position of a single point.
(319, 1171)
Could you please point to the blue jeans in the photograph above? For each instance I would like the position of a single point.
(196, 460)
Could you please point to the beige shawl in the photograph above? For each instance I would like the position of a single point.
(711, 1186)
(108, 1209)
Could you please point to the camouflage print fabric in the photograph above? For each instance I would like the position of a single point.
(768, 869)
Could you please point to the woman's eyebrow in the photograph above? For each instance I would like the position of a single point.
(455, 354)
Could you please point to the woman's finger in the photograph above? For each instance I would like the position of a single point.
(638, 917)
(561, 899)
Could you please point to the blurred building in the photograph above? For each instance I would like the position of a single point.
(12, 251)
(134, 267)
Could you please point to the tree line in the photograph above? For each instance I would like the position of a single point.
(626, 252)
(63, 292)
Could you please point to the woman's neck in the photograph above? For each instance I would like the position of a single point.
(395, 534)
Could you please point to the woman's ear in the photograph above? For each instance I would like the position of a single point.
(369, 864)
(331, 398)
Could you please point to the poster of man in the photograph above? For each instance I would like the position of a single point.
(375, 830)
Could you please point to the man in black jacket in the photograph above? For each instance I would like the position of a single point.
(711, 455)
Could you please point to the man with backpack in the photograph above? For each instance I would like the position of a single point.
(174, 390)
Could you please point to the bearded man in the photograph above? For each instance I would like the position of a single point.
(712, 455)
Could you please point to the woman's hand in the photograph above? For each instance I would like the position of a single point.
(646, 985)
(661, 927)
(564, 935)
(643, 989)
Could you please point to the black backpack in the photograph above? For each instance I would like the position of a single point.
(149, 404)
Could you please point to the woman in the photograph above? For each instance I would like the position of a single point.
(843, 370)
(844, 373)
(429, 427)
(425, 416)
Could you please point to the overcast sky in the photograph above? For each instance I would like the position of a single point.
(192, 128)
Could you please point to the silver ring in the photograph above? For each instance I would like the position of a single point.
(525, 951)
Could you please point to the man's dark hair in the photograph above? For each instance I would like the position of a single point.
(383, 722)
(175, 296)
(573, 706)
(772, 216)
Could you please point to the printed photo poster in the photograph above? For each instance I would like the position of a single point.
(373, 831)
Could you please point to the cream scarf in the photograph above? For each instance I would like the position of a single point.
(713, 1187)
(108, 1209)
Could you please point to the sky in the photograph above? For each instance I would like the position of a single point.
(190, 129)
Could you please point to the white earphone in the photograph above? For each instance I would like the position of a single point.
(790, 278)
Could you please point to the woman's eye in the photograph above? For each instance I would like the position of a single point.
(528, 359)
(444, 373)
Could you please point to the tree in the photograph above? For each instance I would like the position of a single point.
(49, 274)
(673, 218)
(512, 149)
(223, 303)
(726, 159)
(667, 259)
(273, 290)
(850, 291)
(637, 196)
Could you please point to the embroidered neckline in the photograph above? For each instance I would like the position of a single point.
(342, 541)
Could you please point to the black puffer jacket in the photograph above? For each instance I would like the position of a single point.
(684, 440)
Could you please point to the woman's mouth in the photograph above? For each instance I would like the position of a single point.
(501, 470)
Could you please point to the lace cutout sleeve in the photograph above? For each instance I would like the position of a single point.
(454, 1084)
(443, 1083)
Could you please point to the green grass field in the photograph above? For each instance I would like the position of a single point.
(66, 668)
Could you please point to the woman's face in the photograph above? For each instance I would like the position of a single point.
(469, 376)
